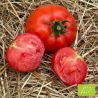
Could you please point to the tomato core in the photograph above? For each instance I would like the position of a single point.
(72, 69)
(69, 61)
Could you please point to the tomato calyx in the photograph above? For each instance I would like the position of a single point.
(58, 27)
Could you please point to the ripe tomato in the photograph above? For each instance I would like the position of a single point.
(69, 66)
(54, 25)
(25, 52)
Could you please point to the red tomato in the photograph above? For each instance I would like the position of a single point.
(54, 25)
(25, 53)
(69, 66)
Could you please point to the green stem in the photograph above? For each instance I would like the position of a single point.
(58, 27)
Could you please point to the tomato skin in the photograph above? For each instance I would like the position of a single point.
(69, 66)
(25, 53)
(38, 24)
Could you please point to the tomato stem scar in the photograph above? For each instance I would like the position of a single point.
(13, 45)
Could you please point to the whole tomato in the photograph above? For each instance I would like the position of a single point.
(69, 66)
(54, 25)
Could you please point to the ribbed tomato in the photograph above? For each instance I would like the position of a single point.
(54, 24)
(69, 66)
(25, 53)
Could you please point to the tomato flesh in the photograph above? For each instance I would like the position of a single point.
(69, 66)
(25, 52)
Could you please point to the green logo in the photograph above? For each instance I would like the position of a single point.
(86, 90)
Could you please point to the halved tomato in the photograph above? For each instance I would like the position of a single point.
(69, 66)
(25, 53)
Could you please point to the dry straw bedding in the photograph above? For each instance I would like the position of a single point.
(43, 83)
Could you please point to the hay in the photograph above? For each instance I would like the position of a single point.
(43, 83)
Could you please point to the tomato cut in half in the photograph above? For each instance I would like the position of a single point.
(69, 66)
(54, 24)
(25, 52)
